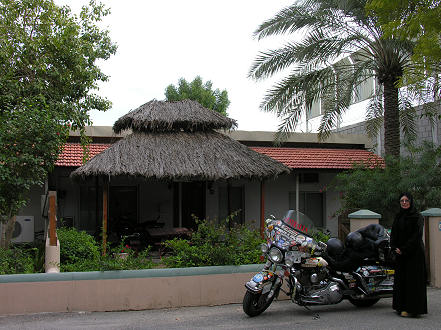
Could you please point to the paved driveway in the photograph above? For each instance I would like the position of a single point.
(280, 315)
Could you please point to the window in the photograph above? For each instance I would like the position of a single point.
(310, 203)
(236, 203)
(309, 178)
(91, 212)
(315, 109)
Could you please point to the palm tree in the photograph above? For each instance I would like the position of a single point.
(331, 30)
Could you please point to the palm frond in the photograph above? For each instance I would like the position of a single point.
(288, 125)
(407, 120)
(272, 61)
(330, 119)
(374, 116)
(309, 15)
(289, 19)
(336, 102)
(329, 30)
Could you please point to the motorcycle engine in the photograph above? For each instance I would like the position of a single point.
(316, 288)
(312, 278)
(330, 293)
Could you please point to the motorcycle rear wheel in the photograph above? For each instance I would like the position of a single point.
(363, 302)
(256, 303)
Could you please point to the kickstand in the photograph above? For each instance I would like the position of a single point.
(315, 316)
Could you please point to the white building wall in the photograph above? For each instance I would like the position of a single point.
(252, 203)
(277, 195)
(277, 198)
(33, 208)
(332, 203)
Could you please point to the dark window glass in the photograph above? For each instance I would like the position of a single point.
(310, 204)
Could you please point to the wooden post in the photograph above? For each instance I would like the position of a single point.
(105, 203)
(262, 207)
(53, 218)
(52, 247)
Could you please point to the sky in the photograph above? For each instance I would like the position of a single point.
(160, 41)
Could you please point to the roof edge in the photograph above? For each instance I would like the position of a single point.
(243, 136)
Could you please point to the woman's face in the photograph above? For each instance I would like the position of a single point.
(404, 202)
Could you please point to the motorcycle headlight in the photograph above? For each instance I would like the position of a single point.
(289, 262)
(275, 255)
(264, 248)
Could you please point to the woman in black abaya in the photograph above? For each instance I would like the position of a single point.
(410, 296)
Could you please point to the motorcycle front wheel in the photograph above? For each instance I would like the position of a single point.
(256, 303)
(363, 302)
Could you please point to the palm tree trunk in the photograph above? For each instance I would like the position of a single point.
(391, 120)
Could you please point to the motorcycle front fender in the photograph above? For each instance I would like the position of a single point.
(261, 282)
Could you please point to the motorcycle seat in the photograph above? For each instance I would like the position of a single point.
(374, 233)
(370, 262)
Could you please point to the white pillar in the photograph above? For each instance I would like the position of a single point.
(362, 218)
(434, 245)
(297, 196)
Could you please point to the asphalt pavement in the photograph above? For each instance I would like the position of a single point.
(280, 315)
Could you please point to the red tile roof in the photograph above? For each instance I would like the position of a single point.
(72, 155)
(320, 157)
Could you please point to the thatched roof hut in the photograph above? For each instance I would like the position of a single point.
(178, 141)
(164, 116)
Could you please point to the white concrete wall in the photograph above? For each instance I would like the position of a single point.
(124, 290)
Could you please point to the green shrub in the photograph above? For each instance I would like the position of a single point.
(78, 250)
(17, 260)
(134, 260)
(215, 245)
(377, 189)
(321, 235)
(39, 257)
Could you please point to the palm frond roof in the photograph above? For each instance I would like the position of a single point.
(204, 156)
(169, 144)
(163, 116)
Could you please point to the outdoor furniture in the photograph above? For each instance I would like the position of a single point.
(162, 234)
(158, 235)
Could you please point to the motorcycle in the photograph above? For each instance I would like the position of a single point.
(294, 257)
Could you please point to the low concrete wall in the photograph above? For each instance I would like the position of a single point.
(123, 290)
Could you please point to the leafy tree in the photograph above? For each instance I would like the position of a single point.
(378, 189)
(328, 31)
(418, 20)
(47, 74)
(198, 91)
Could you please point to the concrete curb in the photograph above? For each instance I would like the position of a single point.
(125, 274)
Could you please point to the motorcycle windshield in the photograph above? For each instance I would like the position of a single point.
(299, 222)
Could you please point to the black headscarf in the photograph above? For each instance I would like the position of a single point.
(411, 209)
